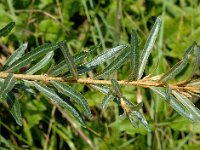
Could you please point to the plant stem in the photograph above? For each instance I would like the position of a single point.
(142, 83)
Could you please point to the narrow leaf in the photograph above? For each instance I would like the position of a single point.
(188, 104)
(16, 55)
(51, 94)
(101, 88)
(117, 88)
(73, 94)
(5, 30)
(69, 60)
(15, 108)
(178, 67)
(148, 47)
(134, 55)
(7, 86)
(62, 67)
(133, 119)
(174, 103)
(106, 100)
(42, 63)
(197, 60)
(105, 56)
(116, 64)
(32, 55)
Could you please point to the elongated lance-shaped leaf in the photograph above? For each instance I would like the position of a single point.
(148, 47)
(51, 94)
(42, 63)
(174, 103)
(133, 119)
(116, 88)
(7, 86)
(62, 67)
(178, 67)
(69, 60)
(14, 108)
(134, 56)
(116, 64)
(32, 55)
(105, 56)
(102, 88)
(5, 30)
(107, 99)
(73, 94)
(15, 56)
(189, 105)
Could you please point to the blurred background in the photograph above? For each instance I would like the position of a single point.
(85, 23)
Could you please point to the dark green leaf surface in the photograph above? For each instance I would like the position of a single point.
(178, 67)
(69, 60)
(14, 108)
(5, 30)
(7, 86)
(148, 47)
(116, 88)
(33, 55)
(51, 94)
(42, 63)
(73, 94)
(16, 55)
(134, 56)
(116, 64)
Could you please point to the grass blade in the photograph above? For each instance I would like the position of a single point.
(32, 55)
(188, 104)
(42, 63)
(178, 67)
(148, 47)
(7, 86)
(116, 64)
(134, 55)
(69, 60)
(15, 108)
(15, 56)
(5, 30)
(51, 94)
(73, 94)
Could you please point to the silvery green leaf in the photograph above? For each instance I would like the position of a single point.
(106, 100)
(116, 64)
(69, 60)
(197, 60)
(25, 88)
(148, 47)
(134, 55)
(174, 103)
(5, 30)
(51, 94)
(62, 67)
(178, 67)
(105, 56)
(32, 55)
(188, 104)
(16, 55)
(7, 86)
(116, 88)
(101, 88)
(123, 116)
(73, 94)
(14, 108)
(42, 63)
(133, 119)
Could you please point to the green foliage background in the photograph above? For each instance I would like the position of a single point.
(84, 24)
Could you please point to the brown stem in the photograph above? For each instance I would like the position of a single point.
(141, 83)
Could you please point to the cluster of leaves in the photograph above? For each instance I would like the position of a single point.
(65, 96)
